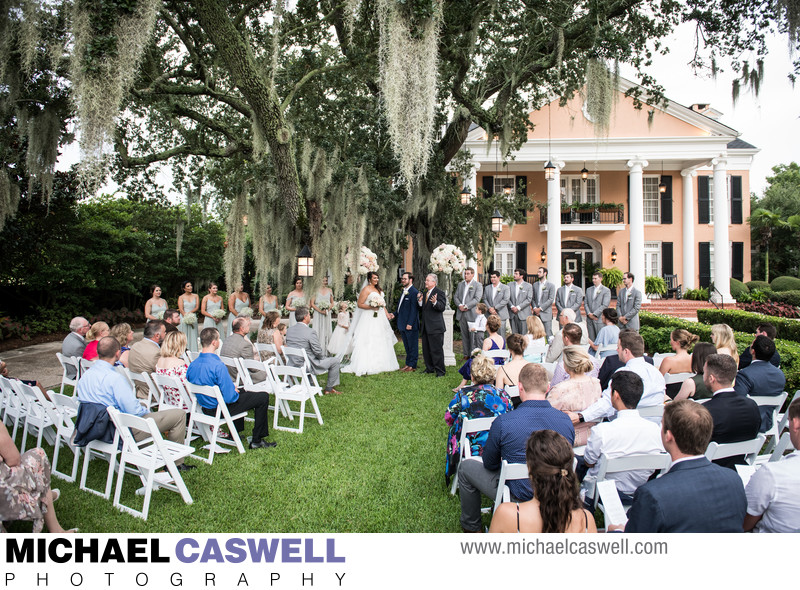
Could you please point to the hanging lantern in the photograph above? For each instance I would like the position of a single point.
(466, 196)
(584, 173)
(497, 221)
(305, 262)
(549, 171)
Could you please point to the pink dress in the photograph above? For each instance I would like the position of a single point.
(171, 395)
(576, 396)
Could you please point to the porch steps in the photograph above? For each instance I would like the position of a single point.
(683, 308)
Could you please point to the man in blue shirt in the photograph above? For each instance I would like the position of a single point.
(208, 369)
(507, 440)
(101, 384)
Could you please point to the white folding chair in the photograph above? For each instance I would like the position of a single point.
(784, 443)
(748, 448)
(232, 363)
(190, 356)
(209, 425)
(183, 401)
(37, 419)
(776, 403)
(291, 384)
(298, 354)
(101, 450)
(153, 396)
(606, 348)
(85, 365)
(497, 354)
(660, 356)
(261, 347)
(469, 426)
(605, 466)
(15, 409)
(66, 409)
(265, 386)
(508, 472)
(549, 367)
(651, 411)
(783, 424)
(146, 457)
(671, 378)
(72, 363)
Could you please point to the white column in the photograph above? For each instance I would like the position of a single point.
(722, 217)
(636, 223)
(553, 263)
(689, 274)
(471, 181)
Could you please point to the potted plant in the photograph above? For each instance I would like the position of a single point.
(655, 287)
(612, 278)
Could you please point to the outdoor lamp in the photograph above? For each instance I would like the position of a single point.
(543, 255)
(305, 262)
(584, 173)
(613, 254)
(506, 190)
(662, 187)
(466, 196)
(549, 171)
(497, 221)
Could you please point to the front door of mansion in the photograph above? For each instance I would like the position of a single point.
(576, 257)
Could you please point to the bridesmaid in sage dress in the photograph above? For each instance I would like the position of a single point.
(189, 303)
(294, 299)
(211, 302)
(156, 306)
(322, 317)
(268, 301)
(237, 301)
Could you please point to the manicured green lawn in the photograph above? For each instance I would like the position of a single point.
(376, 465)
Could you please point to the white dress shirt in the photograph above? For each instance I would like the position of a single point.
(772, 491)
(654, 390)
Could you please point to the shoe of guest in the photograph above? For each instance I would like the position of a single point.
(185, 467)
(262, 444)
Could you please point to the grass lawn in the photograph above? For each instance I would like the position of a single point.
(376, 465)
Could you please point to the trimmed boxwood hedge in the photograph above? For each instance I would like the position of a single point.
(790, 297)
(656, 328)
(785, 284)
(760, 285)
(746, 321)
(738, 288)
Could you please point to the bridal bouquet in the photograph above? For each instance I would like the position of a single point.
(218, 314)
(447, 258)
(246, 312)
(159, 315)
(190, 319)
(376, 302)
(367, 261)
(283, 311)
(324, 305)
(298, 302)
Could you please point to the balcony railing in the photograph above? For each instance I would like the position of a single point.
(587, 216)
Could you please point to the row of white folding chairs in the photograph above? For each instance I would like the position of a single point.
(26, 406)
(77, 365)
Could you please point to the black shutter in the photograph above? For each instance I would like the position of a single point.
(703, 213)
(628, 184)
(704, 249)
(522, 256)
(521, 184)
(666, 201)
(737, 260)
(488, 186)
(666, 258)
(736, 199)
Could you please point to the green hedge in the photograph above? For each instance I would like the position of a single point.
(791, 297)
(738, 288)
(785, 284)
(760, 285)
(746, 321)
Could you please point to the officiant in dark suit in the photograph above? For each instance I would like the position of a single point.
(431, 305)
(407, 314)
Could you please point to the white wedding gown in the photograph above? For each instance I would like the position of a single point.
(372, 344)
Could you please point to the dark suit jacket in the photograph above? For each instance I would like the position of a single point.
(408, 311)
(736, 418)
(171, 327)
(432, 320)
(610, 366)
(694, 496)
(761, 378)
(746, 358)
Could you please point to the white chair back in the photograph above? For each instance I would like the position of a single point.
(748, 448)
(175, 396)
(86, 365)
(292, 384)
(209, 425)
(261, 347)
(72, 370)
(651, 411)
(497, 354)
(776, 403)
(66, 409)
(660, 356)
(232, 364)
(508, 472)
(671, 378)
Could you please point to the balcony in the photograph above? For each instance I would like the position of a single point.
(599, 217)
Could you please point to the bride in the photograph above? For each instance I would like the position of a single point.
(372, 337)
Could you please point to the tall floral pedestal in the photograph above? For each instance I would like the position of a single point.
(449, 356)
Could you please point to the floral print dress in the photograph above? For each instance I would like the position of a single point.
(23, 489)
(171, 395)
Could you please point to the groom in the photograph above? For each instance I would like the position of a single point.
(432, 304)
(408, 321)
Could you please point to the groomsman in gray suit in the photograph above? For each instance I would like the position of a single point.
(468, 295)
(519, 302)
(495, 296)
(598, 297)
(544, 293)
(570, 297)
(629, 301)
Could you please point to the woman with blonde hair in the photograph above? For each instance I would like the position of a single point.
(680, 341)
(723, 338)
(579, 391)
(123, 333)
(535, 338)
(96, 332)
(556, 506)
(172, 364)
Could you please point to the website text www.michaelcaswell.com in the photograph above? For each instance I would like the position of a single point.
(621, 546)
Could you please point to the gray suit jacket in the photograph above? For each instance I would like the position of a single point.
(628, 307)
(73, 345)
(142, 359)
(572, 301)
(596, 305)
(237, 346)
(501, 304)
(545, 302)
(473, 296)
(302, 336)
(523, 302)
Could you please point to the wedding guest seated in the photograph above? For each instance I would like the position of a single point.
(96, 332)
(208, 369)
(507, 440)
(494, 341)
(479, 400)
(25, 492)
(629, 434)
(695, 387)
(124, 335)
(238, 345)
(723, 338)
(763, 329)
(578, 392)
(610, 365)
(680, 341)
(32, 382)
(567, 316)
(571, 334)
(144, 354)
(508, 374)
(694, 495)
(608, 334)
(171, 364)
(760, 377)
(556, 506)
(535, 338)
(172, 319)
(773, 504)
(272, 331)
(302, 336)
(75, 342)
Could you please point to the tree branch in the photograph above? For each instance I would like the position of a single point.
(306, 78)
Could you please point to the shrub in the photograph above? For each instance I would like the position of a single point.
(738, 289)
(758, 295)
(655, 286)
(789, 297)
(779, 310)
(745, 321)
(506, 279)
(700, 294)
(785, 284)
(762, 285)
(612, 277)
(655, 339)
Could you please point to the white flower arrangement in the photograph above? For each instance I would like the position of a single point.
(190, 319)
(298, 302)
(376, 302)
(324, 305)
(159, 315)
(447, 258)
(367, 261)
(218, 314)
(246, 312)
(283, 311)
